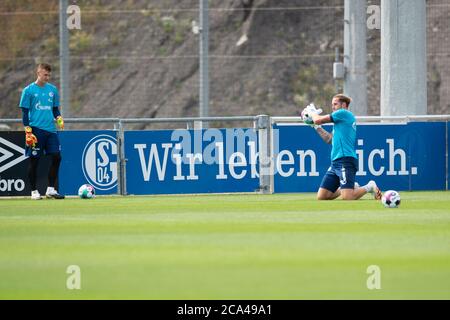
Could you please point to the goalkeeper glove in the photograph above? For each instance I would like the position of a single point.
(306, 117)
(307, 113)
(311, 108)
(60, 122)
(30, 138)
(309, 121)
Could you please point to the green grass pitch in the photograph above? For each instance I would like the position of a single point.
(282, 246)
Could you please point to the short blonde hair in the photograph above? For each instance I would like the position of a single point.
(343, 98)
(44, 66)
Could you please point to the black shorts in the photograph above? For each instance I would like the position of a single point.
(341, 174)
(47, 143)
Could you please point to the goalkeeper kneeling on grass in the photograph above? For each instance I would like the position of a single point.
(340, 177)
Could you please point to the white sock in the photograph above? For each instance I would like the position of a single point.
(50, 190)
(369, 187)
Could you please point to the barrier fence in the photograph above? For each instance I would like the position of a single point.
(271, 154)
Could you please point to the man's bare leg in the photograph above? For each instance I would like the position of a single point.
(353, 194)
(358, 192)
(324, 194)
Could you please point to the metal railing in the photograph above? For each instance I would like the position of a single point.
(363, 119)
(274, 119)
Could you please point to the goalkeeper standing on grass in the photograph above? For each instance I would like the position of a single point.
(340, 177)
(40, 111)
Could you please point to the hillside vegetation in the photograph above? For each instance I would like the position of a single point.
(139, 58)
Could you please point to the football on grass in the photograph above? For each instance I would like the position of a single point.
(86, 191)
(391, 199)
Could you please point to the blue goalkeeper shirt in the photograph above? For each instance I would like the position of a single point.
(344, 134)
(40, 102)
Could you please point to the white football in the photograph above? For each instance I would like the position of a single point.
(86, 191)
(391, 199)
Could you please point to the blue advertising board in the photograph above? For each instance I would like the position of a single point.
(88, 157)
(397, 156)
(191, 161)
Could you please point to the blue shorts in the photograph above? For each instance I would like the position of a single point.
(47, 143)
(341, 174)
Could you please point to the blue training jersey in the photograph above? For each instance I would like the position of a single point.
(344, 134)
(40, 102)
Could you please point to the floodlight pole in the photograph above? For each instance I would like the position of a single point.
(64, 59)
(403, 57)
(355, 55)
(204, 57)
